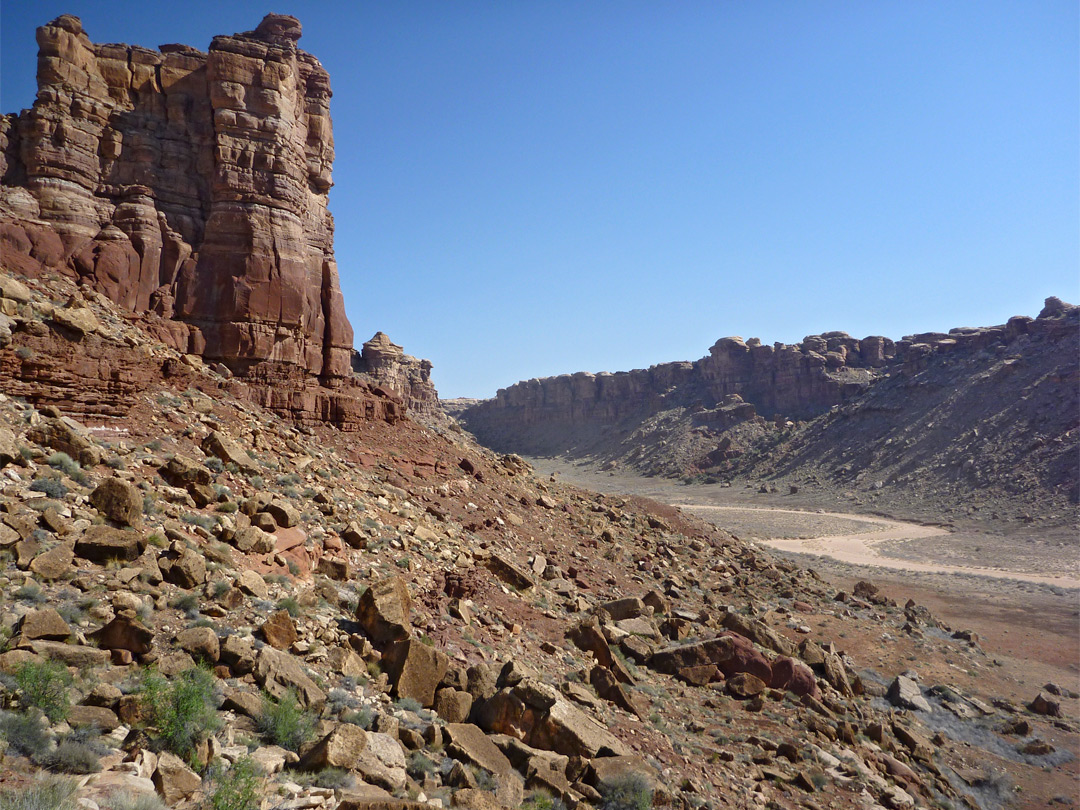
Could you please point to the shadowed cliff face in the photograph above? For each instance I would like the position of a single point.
(187, 185)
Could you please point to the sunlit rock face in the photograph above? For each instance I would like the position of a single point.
(188, 185)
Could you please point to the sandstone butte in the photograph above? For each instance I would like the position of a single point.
(190, 188)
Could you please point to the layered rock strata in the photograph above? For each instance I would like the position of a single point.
(191, 189)
(737, 381)
(387, 364)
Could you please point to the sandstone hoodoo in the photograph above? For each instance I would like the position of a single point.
(191, 189)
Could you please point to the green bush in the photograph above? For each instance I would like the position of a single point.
(236, 788)
(408, 704)
(541, 800)
(364, 718)
(333, 778)
(24, 733)
(420, 765)
(186, 603)
(629, 792)
(44, 685)
(183, 710)
(285, 723)
(51, 487)
(290, 605)
(44, 793)
(31, 593)
(73, 756)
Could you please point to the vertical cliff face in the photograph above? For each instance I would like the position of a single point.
(668, 418)
(187, 185)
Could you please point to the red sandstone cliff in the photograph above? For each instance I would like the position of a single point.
(190, 188)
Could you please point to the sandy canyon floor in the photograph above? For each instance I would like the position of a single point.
(1018, 590)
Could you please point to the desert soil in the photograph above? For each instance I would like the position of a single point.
(1021, 594)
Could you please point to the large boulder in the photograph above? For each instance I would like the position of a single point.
(174, 780)
(341, 748)
(102, 544)
(414, 670)
(794, 676)
(382, 762)
(119, 501)
(43, 624)
(183, 566)
(536, 714)
(125, 632)
(279, 630)
(383, 611)
(277, 672)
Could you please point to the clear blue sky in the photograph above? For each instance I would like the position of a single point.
(532, 188)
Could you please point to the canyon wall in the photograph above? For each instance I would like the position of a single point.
(190, 188)
(799, 381)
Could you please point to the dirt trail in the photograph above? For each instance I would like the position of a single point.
(861, 548)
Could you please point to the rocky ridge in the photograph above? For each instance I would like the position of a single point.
(191, 189)
(787, 414)
(454, 630)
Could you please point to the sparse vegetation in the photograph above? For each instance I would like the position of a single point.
(289, 605)
(31, 592)
(630, 792)
(24, 734)
(50, 487)
(183, 709)
(284, 722)
(44, 685)
(44, 793)
(235, 788)
(364, 717)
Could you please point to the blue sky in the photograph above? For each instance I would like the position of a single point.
(532, 188)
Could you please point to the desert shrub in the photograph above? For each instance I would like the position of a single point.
(284, 722)
(333, 778)
(420, 765)
(228, 507)
(68, 466)
(72, 756)
(541, 800)
(44, 685)
(187, 603)
(204, 521)
(629, 792)
(408, 704)
(31, 592)
(290, 605)
(71, 612)
(220, 588)
(363, 718)
(183, 710)
(51, 487)
(44, 793)
(24, 733)
(150, 504)
(339, 700)
(134, 801)
(235, 788)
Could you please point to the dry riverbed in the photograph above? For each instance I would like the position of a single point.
(1020, 593)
